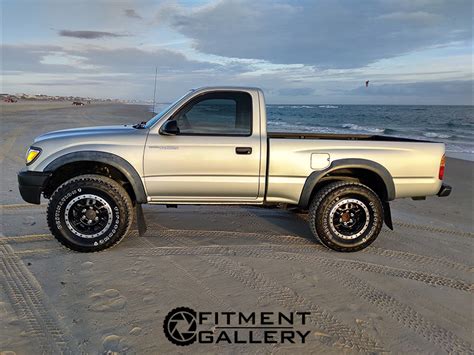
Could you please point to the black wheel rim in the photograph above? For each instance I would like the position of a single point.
(349, 218)
(88, 216)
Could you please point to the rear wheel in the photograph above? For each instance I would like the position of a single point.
(89, 213)
(346, 216)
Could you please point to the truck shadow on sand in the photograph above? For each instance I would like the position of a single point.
(246, 225)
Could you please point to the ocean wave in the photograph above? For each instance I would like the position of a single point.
(286, 127)
(456, 148)
(362, 128)
(391, 131)
(301, 106)
(436, 135)
(328, 106)
(456, 124)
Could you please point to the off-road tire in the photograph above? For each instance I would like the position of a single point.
(325, 201)
(111, 193)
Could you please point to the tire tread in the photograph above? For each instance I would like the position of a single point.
(316, 202)
(124, 202)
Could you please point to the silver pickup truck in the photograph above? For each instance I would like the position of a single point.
(212, 147)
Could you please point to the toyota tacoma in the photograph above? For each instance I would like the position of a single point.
(212, 146)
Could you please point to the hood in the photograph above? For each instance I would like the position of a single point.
(87, 131)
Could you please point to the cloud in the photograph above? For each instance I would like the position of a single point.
(88, 34)
(132, 14)
(417, 17)
(126, 72)
(326, 33)
(135, 60)
(28, 58)
(56, 59)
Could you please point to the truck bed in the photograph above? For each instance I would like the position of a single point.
(355, 137)
(292, 157)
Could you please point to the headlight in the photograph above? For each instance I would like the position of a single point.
(32, 154)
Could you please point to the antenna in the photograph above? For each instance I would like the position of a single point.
(154, 91)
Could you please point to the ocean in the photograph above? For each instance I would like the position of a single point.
(453, 125)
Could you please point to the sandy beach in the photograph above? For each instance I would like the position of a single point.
(411, 291)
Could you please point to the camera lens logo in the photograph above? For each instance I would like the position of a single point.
(180, 326)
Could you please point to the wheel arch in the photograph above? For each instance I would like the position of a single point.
(349, 170)
(105, 158)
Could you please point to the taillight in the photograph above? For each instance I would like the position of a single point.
(442, 165)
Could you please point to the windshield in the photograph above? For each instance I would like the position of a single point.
(155, 119)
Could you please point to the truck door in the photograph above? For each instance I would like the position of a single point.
(214, 157)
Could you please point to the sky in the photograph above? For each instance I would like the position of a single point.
(301, 52)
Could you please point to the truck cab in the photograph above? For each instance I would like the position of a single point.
(222, 130)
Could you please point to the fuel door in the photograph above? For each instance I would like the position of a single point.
(320, 161)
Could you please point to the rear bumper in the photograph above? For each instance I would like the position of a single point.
(444, 191)
(31, 184)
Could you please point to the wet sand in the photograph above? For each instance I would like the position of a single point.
(411, 291)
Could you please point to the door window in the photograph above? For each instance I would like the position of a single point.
(217, 114)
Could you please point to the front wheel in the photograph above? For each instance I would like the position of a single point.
(89, 213)
(346, 216)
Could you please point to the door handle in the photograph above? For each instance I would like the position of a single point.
(243, 150)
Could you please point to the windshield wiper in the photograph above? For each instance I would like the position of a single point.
(140, 125)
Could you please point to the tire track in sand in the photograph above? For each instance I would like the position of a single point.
(212, 300)
(31, 306)
(422, 260)
(433, 229)
(343, 336)
(404, 314)
(7, 144)
(418, 258)
(295, 252)
(300, 241)
(422, 227)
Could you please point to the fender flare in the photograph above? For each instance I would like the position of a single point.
(316, 176)
(107, 158)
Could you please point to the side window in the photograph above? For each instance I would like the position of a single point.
(217, 114)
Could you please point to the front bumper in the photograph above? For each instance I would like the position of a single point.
(444, 191)
(31, 184)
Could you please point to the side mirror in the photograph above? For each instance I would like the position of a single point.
(170, 128)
